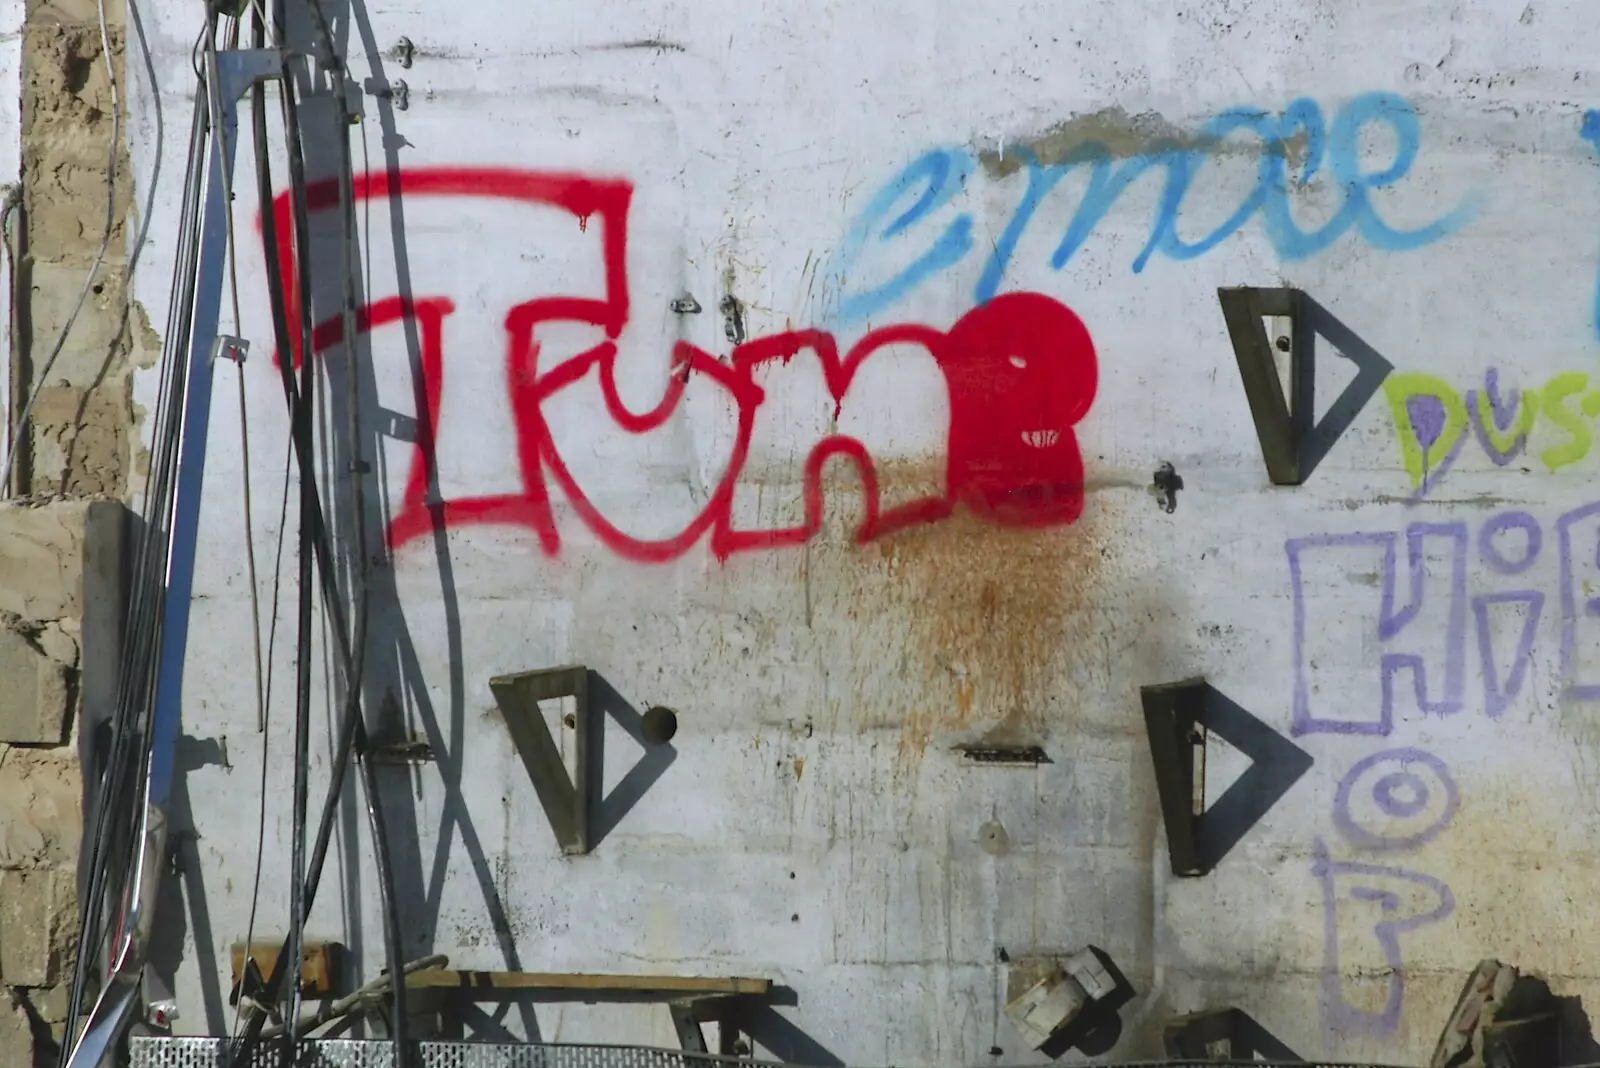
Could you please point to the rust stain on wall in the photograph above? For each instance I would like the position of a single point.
(1121, 136)
(964, 630)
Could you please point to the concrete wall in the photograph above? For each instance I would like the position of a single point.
(840, 554)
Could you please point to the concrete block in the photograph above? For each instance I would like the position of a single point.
(41, 812)
(37, 916)
(74, 12)
(67, 199)
(64, 74)
(51, 1002)
(81, 440)
(46, 551)
(58, 640)
(33, 693)
(16, 1034)
(97, 330)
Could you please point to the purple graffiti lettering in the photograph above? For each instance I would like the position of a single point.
(1393, 618)
(1501, 457)
(1427, 417)
(1503, 413)
(1392, 622)
(1490, 552)
(1341, 1017)
(1386, 794)
(1303, 720)
(1498, 698)
(1571, 582)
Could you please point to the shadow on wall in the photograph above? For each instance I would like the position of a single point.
(1317, 436)
(1578, 1045)
(782, 1039)
(183, 911)
(1230, 1034)
(1098, 1030)
(394, 678)
(1575, 1041)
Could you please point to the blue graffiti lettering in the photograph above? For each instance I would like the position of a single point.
(1590, 132)
(1334, 148)
(941, 173)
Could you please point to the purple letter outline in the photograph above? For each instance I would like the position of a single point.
(1391, 621)
(1341, 1017)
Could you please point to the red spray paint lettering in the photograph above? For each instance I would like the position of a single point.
(1020, 371)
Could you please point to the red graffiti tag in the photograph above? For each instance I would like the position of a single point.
(1020, 371)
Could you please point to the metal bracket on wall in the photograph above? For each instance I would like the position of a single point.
(1172, 716)
(688, 1015)
(1222, 1035)
(566, 799)
(1281, 424)
(1179, 716)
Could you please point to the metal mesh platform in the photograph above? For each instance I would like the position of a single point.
(346, 1053)
(352, 1053)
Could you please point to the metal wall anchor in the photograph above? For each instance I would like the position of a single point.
(1164, 485)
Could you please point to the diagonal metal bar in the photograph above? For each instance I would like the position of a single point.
(236, 72)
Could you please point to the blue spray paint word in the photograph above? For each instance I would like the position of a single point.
(1590, 132)
(933, 180)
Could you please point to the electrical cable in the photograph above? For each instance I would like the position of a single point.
(272, 636)
(304, 415)
(13, 201)
(359, 999)
(238, 329)
(357, 470)
(43, 374)
(129, 717)
(135, 680)
(353, 735)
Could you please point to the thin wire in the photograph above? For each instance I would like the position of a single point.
(359, 589)
(258, 37)
(43, 374)
(272, 639)
(12, 203)
(238, 328)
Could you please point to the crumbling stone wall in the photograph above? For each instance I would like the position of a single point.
(79, 442)
(61, 544)
(60, 576)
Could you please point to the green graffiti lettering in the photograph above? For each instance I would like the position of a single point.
(1580, 437)
(1429, 419)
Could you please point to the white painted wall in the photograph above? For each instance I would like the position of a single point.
(815, 825)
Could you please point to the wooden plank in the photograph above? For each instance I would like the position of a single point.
(319, 968)
(671, 986)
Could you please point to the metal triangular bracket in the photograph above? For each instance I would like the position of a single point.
(1178, 716)
(565, 798)
(1280, 425)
